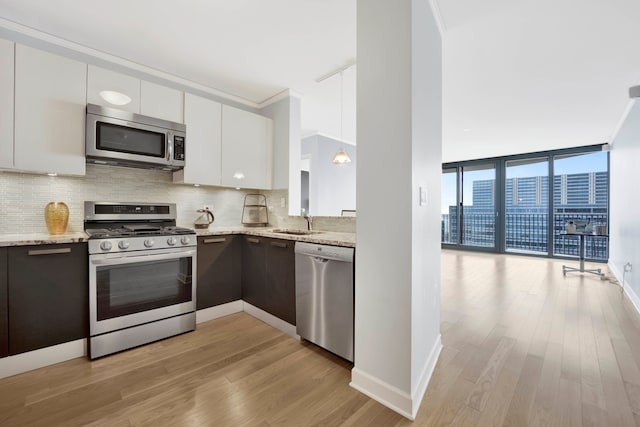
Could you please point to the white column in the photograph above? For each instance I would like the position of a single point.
(397, 305)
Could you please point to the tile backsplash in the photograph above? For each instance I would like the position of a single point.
(279, 216)
(23, 198)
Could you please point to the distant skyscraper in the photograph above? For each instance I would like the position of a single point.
(581, 196)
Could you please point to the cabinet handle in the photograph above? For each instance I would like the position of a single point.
(252, 240)
(218, 240)
(49, 251)
(279, 244)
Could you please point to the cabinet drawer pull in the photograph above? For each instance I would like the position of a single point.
(253, 240)
(279, 244)
(218, 240)
(49, 251)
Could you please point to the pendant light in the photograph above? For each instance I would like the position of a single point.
(341, 156)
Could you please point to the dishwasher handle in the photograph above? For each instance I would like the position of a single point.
(334, 253)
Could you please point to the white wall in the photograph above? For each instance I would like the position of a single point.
(624, 245)
(286, 146)
(321, 107)
(332, 187)
(397, 338)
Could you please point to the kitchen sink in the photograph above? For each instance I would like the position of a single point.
(295, 232)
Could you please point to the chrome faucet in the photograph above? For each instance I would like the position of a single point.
(309, 219)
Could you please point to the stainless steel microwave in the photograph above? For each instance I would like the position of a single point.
(122, 138)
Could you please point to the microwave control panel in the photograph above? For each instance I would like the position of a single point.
(178, 147)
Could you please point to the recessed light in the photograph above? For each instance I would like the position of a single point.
(52, 174)
(115, 98)
(196, 185)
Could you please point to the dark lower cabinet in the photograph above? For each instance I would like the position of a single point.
(4, 312)
(254, 271)
(219, 270)
(281, 280)
(268, 276)
(48, 298)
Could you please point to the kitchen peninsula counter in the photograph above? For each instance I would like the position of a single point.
(320, 237)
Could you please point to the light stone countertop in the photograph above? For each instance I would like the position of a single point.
(41, 239)
(320, 237)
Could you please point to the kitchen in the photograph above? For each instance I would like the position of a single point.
(47, 164)
(243, 366)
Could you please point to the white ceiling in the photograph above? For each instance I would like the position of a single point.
(519, 75)
(253, 49)
(529, 75)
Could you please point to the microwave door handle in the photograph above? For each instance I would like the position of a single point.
(170, 146)
(142, 258)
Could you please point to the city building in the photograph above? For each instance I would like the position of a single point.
(576, 197)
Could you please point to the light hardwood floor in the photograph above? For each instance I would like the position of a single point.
(523, 345)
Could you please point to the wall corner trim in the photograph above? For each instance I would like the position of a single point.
(417, 394)
(392, 397)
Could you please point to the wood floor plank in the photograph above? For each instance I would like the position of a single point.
(523, 345)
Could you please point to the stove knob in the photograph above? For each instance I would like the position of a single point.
(123, 244)
(149, 242)
(171, 241)
(106, 245)
(185, 240)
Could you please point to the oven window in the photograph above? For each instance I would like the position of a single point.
(124, 139)
(134, 288)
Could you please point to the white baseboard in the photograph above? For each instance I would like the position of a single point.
(631, 294)
(13, 365)
(425, 376)
(271, 320)
(391, 396)
(211, 313)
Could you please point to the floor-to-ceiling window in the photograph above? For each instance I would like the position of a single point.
(510, 204)
(479, 205)
(449, 206)
(581, 194)
(526, 205)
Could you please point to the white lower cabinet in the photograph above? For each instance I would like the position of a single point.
(202, 145)
(50, 110)
(6, 104)
(247, 149)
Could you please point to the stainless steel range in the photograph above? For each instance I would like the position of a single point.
(142, 284)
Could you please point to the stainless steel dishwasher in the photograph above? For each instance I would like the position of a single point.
(324, 296)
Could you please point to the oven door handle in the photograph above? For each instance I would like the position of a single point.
(143, 258)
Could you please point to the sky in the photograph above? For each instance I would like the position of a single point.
(590, 162)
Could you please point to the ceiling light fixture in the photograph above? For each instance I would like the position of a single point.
(115, 98)
(341, 156)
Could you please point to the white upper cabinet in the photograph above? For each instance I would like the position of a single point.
(247, 149)
(102, 83)
(50, 110)
(6, 104)
(161, 102)
(202, 144)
